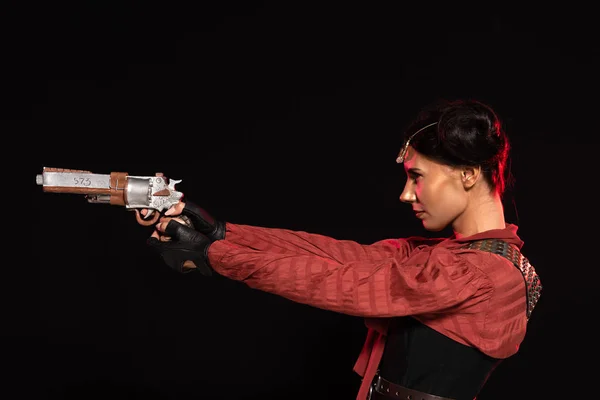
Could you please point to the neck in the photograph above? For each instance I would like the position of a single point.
(483, 214)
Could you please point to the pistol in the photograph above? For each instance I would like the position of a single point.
(153, 193)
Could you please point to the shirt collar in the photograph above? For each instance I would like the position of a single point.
(508, 234)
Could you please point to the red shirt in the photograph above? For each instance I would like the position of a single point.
(474, 297)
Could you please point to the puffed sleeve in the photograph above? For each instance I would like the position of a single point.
(381, 280)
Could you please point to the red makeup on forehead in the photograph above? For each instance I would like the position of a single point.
(411, 159)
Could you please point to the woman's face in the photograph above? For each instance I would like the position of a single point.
(435, 191)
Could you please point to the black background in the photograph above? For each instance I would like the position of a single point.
(287, 115)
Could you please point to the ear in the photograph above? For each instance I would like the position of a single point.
(470, 176)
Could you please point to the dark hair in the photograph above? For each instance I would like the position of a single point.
(466, 133)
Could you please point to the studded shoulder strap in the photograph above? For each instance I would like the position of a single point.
(512, 253)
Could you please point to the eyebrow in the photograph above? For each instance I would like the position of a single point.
(413, 171)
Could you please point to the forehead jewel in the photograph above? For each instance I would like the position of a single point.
(404, 149)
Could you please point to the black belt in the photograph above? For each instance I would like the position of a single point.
(383, 389)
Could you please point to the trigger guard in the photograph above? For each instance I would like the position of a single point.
(146, 222)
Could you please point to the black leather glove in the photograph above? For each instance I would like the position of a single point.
(203, 222)
(185, 251)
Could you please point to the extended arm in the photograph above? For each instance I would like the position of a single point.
(426, 282)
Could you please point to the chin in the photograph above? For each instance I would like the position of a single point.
(436, 229)
(433, 227)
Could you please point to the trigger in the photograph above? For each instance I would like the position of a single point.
(149, 213)
(144, 220)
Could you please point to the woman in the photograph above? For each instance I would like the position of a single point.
(442, 313)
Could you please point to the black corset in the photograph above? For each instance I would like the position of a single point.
(420, 358)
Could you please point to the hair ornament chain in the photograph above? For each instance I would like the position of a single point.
(402, 154)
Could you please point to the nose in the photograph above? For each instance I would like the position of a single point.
(408, 194)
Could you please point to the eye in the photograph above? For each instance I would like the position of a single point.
(414, 176)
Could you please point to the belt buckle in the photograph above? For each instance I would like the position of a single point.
(374, 383)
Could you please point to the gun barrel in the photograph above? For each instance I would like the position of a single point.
(74, 182)
(82, 180)
(60, 180)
